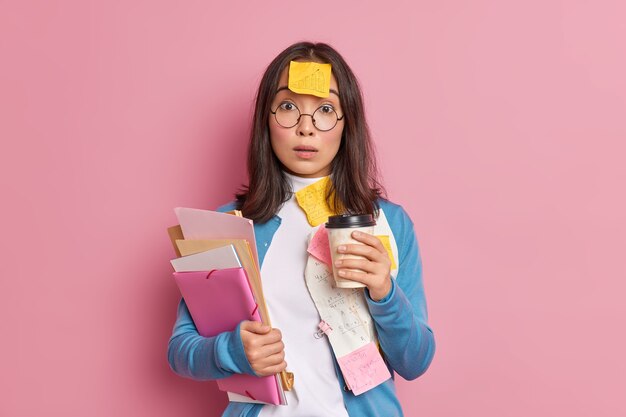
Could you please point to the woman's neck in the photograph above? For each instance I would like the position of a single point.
(297, 183)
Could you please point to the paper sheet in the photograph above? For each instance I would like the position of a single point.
(381, 229)
(309, 78)
(364, 369)
(312, 199)
(320, 246)
(218, 258)
(206, 224)
(387, 244)
(344, 309)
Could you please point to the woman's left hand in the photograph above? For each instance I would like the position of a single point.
(374, 270)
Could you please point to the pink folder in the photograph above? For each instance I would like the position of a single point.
(218, 301)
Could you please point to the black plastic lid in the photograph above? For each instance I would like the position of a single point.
(343, 221)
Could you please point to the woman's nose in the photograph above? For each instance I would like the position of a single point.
(305, 126)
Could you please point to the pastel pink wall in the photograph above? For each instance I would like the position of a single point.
(500, 127)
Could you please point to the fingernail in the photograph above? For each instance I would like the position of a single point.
(341, 248)
(356, 234)
(338, 263)
(341, 272)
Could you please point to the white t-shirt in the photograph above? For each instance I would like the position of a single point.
(316, 390)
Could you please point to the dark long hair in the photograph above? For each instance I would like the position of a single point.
(355, 186)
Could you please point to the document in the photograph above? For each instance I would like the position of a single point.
(203, 236)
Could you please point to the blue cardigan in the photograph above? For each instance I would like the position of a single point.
(400, 318)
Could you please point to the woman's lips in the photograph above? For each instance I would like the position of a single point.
(305, 152)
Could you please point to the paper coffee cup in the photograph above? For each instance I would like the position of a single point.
(340, 230)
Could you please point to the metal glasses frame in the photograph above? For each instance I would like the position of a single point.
(306, 114)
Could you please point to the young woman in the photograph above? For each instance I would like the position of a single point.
(298, 140)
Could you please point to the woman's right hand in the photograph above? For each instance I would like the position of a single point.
(264, 348)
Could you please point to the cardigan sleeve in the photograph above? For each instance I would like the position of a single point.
(401, 318)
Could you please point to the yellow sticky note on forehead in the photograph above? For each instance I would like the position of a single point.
(309, 78)
(312, 199)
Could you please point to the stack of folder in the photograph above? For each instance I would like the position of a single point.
(218, 275)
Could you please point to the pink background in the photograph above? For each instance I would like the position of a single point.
(500, 128)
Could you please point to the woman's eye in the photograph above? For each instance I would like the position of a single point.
(287, 106)
(326, 108)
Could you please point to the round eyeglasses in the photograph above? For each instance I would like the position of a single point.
(288, 115)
